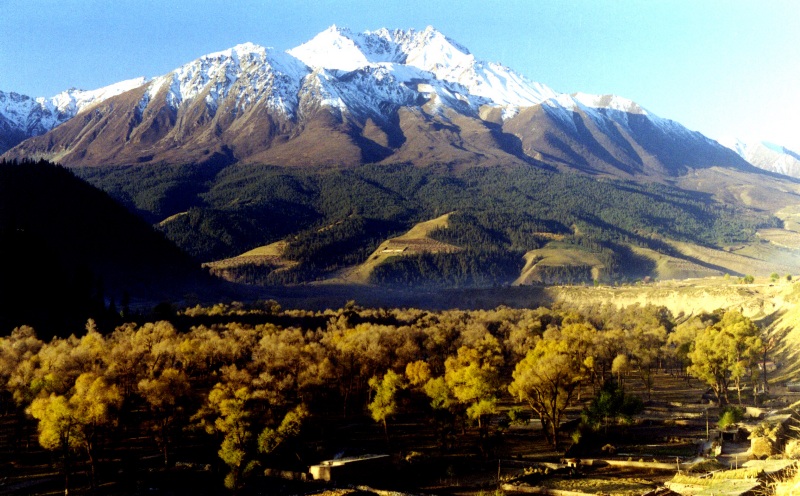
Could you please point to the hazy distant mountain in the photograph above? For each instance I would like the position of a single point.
(767, 156)
(347, 98)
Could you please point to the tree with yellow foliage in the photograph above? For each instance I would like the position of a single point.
(166, 396)
(384, 401)
(725, 352)
(547, 379)
(75, 422)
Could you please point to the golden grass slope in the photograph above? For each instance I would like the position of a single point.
(754, 258)
(269, 256)
(414, 242)
(556, 254)
(759, 300)
(773, 305)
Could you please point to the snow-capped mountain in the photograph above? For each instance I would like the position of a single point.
(22, 116)
(765, 155)
(426, 58)
(345, 98)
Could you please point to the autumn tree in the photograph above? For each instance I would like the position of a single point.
(166, 396)
(356, 353)
(235, 411)
(22, 344)
(473, 376)
(547, 379)
(645, 341)
(291, 364)
(58, 428)
(724, 352)
(747, 351)
(681, 340)
(384, 400)
(272, 437)
(18, 355)
(76, 422)
(227, 412)
(608, 345)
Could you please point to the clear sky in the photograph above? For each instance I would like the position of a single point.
(722, 67)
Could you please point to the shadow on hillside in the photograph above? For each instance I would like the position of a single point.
(320, 297)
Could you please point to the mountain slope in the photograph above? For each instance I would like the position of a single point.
(22, 117)
(69, 248)
(349, 140)
(767, 156)
(345, 99)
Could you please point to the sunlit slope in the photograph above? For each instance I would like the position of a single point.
(552, 255)
(263, 259)
(414, 242)
(271, 257)
(776, 251)
(773, 304)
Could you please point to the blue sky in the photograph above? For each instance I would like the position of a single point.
(722, 67)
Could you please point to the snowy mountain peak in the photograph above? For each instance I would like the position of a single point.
(333, 48)
(251, 71)
(34, 116)
(241, 50)
(74, 101)
(451, 73)
(357, 76)
(340, 49)
(765, 155)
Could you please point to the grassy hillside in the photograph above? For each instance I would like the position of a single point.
(415, 242)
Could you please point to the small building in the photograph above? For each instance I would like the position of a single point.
(351, 468)
(734, 434)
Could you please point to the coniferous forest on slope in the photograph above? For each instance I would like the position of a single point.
(333, 217)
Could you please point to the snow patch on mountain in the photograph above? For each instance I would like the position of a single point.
(611, 102)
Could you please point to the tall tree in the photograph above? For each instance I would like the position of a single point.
(473, 376)
(228, 411)
(384, 401)
(166, 395)
(724, 352)
(547, 379)
(76, 422)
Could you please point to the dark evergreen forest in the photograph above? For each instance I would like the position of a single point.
(335, 217)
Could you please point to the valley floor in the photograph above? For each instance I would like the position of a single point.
(673, 422)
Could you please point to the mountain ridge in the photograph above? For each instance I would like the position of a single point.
(765, 155)
(345, 98)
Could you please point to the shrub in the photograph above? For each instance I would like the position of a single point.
(792, 449)
(729, 416)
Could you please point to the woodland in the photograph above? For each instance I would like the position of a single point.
(336, 217)
(244, 389)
